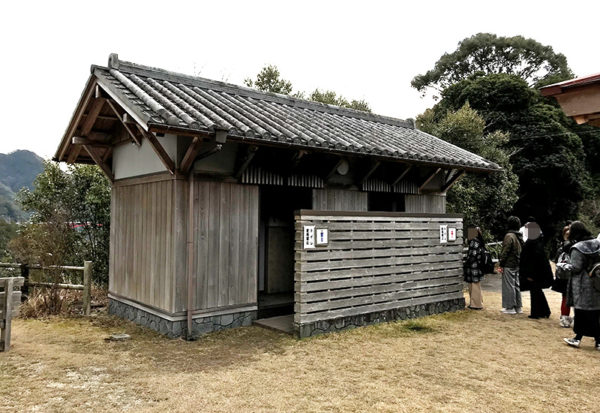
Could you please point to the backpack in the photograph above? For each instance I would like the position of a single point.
(593, 270)
(487, 263)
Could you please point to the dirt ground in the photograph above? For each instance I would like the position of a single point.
(468, 361)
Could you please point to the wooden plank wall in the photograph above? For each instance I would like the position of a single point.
(331, 199)
(225, 245)
(425, 203)
(142, 243)
(375, 263)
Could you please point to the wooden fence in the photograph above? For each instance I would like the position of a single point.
(373, 263)
(86, 287)
(9, 307)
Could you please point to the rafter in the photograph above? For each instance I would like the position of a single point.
(402, 175)
(453, 179)
(370, 172)
(246, 160)
(113, 105)
(96, 106)
(74, 153)
(190, 155)
(98, 160)
(424, 184)
(76, 140)
(77, 118)
(158, 148)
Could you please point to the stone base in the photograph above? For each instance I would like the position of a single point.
(201, 325)
(344, 323)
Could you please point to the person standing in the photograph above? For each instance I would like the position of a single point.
(509, 266)
(535, 271)
(560, 284)
(581, 293)
(473, 271)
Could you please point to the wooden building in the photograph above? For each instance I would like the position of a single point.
(579, 98)
(230, 204)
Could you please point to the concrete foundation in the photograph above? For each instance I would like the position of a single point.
(344, 323)
(201, 325)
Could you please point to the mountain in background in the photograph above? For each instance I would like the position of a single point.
(18, 169)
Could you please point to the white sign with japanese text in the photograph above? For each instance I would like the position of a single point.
(443, 234)
(322, 236)
(309, 236)
(451, 234)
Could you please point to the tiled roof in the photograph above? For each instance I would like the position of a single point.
(171, 100)
(558, 88)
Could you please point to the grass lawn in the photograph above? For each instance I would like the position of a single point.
(480, 361)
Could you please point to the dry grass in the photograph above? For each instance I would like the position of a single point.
(466, 361)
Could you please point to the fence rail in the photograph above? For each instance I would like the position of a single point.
(86, 287)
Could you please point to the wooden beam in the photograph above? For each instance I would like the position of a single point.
(107, 154)
(402, 175)
(75, 150)
(297, 157)
(245, 163)
(76, 140)
(370, 172)
(92, 115)
(452, 181)
(77, 118)
(160, 151)
(98, 159)
(190, 155)
(424, 184)
(103, 117)
(127, 127)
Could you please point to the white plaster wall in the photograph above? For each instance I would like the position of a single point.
(129, 160)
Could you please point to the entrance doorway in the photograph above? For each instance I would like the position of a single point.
(276, 248)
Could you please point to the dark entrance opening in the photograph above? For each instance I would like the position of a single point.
(276, 248)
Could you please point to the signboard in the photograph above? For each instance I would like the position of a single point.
(443, 234)
(322, 234)
(309, 236)
(451, 234)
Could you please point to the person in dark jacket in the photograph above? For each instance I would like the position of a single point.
(535, 271)
(581, 293)
(560, 284)
(473, 273)
(509, 266)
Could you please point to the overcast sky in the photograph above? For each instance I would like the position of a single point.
(361, 49)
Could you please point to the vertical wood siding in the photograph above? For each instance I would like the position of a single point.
(375, 263)
(435, 204)
(225, 245)
(331, 199)
(141, 243)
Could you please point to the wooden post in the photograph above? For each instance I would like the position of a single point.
(7, 315)
(25, 275)
(87, 287)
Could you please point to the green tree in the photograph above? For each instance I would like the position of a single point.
(269, 80)
(547, 155)
(8, 231)
(331, 98)
(486, 53)
(485, 200)
(78, 198)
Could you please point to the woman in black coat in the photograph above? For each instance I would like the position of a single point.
(535, 271)
(581, 292)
